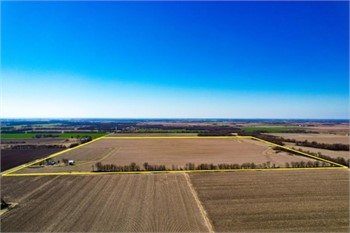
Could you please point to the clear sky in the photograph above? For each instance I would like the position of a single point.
(175, 59)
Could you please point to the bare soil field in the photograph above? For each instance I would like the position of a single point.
(341, 129)
(149, 134)
(170, 152)
(116, 203)
(331, 153)
(320, 138)
(7, 143)
(276, 201)
(14, 157)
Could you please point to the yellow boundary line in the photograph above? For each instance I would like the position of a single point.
(11, 171)
(299, 152)
(177, 171)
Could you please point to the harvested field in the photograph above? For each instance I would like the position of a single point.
(170, 152)
(320, 138)
(123, 203)
(14, 157)
(339, 129)
(331, 153)
(149, 134)
(276, 201)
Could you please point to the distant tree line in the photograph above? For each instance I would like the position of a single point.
(335, 146)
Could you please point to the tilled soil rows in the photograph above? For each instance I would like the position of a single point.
(122, 203)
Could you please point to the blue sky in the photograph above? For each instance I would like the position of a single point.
(175, 59)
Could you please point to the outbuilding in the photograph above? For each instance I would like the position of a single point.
(71, 162)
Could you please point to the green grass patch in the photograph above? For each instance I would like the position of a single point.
(55, 135)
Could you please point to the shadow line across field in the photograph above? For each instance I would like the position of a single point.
(11, 172)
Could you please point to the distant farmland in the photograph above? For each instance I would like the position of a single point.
(56, 135)
(320, 138)
(270, 129)
(123, 203)
(276, 201)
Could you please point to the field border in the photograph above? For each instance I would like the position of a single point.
(11, 171)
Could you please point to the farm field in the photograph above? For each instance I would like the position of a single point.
(149, 134)
(108, 203)
(14, 157)
(169, 152)
(331, 153)
(58, 135)
(339, 129)
(32, 142)
(276, 201)
(270, 129)
(320, 138)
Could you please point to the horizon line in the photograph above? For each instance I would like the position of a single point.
(166, 118)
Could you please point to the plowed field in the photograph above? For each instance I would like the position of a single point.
(276, 201)
(123, 203)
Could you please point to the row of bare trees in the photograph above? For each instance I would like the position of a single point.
(203, 166)
(306, 164)
(339, 160)
(115, 168)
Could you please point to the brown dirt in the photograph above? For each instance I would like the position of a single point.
(276, 201)
(122, 203)
(7, 143)
(340, 129)
(320, 138)
(149, 134)
(170, 152)
(331, 153)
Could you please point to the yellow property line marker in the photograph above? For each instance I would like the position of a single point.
(11, 171)
(299, 152)
(177, 171)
